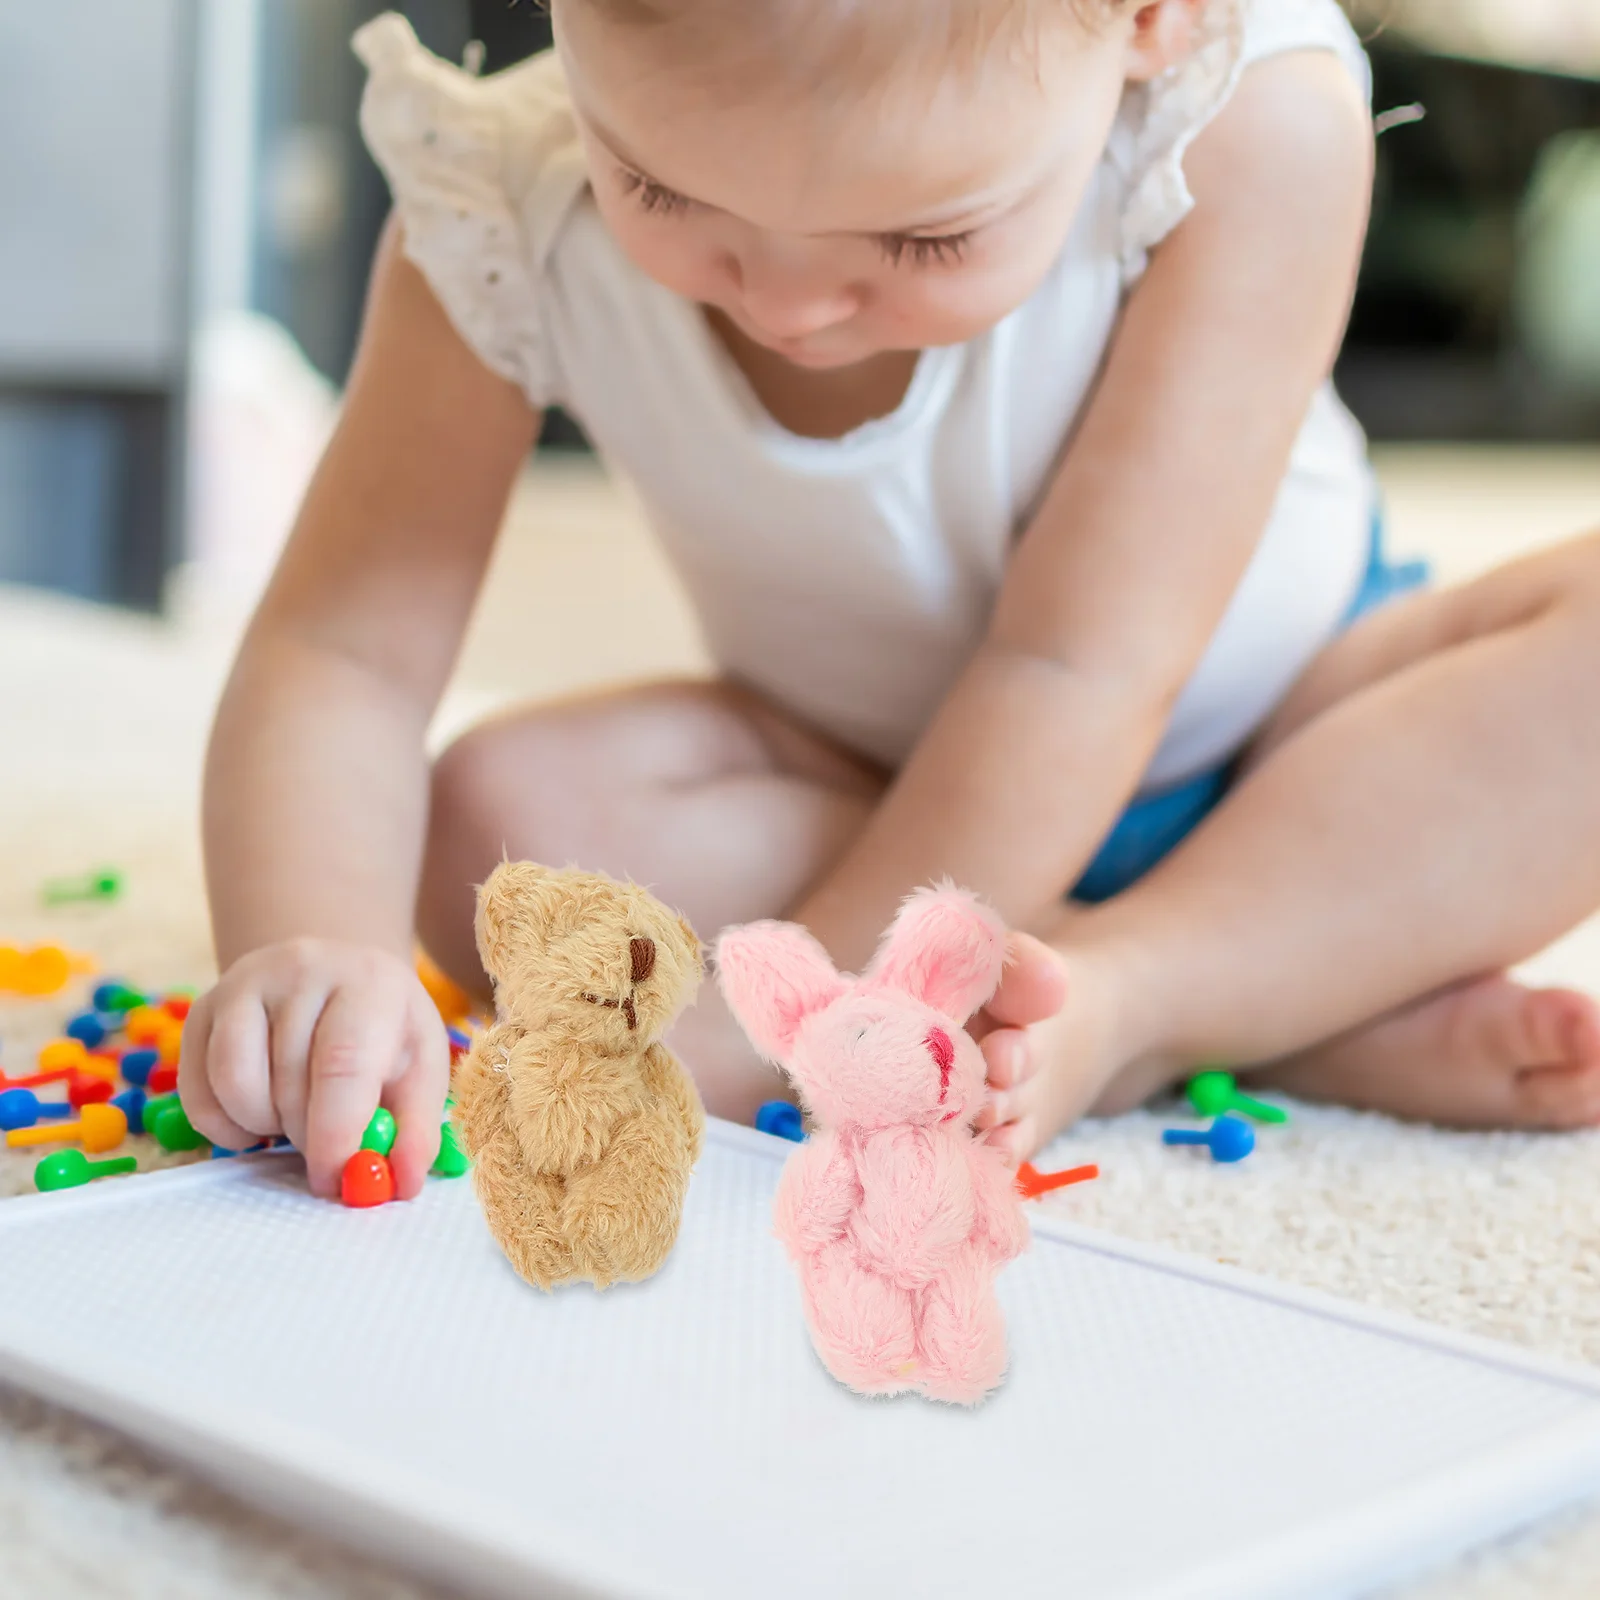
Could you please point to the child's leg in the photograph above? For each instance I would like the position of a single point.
(1422, 812)
(704, 793)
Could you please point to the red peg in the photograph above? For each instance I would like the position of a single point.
(34, 1079)
(163, 1079)
(88, 1088)
(367, 1180)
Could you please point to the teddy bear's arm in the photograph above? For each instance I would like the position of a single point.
(818, 1193)
(665, 1074)
(1000, 1222)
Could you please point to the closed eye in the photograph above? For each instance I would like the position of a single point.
(656, 198)
(925, 250)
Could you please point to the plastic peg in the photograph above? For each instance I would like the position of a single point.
(22, 1108)
(173, 1130)
(88, 1089)
(782, 1120)
(380, 1132)
(67, 1169)
(162, 1079)
(367, 1180)
(87, 1029)
(137, 1065)
(60, 1053)
(1228, 1138)
(451, 1161)
(131, 1102)
(104, 884)
(1031, 1183)
(32, 1080)
(1214, 1092)
(99, 1127)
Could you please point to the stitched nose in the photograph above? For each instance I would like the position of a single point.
(643, 954)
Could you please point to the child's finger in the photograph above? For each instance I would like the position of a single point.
(354, 1049)
(194, 1082)
(293, 1021)
(417, 1099)
(239, 1065)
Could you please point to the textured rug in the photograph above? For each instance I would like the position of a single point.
(103, 730)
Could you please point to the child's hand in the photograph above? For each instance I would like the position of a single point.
(304, 1038)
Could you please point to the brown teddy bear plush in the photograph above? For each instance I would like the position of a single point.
(582, 1127)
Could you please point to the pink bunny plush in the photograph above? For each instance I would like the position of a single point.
(896, 1217)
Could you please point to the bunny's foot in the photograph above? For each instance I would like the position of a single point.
(961, 1335)
(863, 1327)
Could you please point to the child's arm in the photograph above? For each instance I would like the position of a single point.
(1118, 585)
(316, 785)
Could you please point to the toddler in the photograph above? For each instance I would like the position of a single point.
(971, 358)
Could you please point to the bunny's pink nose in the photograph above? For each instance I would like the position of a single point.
(944, 1055)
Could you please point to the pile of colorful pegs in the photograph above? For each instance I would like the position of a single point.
(117, 1065)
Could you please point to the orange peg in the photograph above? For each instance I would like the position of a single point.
(99, 1127)
(144, 1025)
(63, 1054)
(1031, 1183)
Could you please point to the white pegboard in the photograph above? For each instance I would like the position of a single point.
(1169, 1430)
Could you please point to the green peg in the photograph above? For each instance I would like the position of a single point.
(153, 1108)
(67, 1169)
(105, 884)
(380, 1132)
(122, 998)
(1214, 1092)
(174, 1131)
(451, 1160)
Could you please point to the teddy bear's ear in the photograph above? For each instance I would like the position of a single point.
(945, 948)
(509, 900)
(773, 976)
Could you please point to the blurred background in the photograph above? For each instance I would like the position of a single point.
(187, 215)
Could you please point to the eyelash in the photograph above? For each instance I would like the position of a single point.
(924, 250)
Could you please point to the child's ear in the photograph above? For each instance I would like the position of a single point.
(944, 948)
(1163, 33)
(773, 976)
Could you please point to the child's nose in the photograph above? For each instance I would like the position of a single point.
(787, 297)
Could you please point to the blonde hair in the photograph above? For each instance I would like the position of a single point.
(815, 43)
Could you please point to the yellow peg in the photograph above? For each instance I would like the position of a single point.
(99, 1127)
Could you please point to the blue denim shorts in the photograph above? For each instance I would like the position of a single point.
(1155, 824)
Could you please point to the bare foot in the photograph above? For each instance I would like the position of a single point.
(1488, 1053)
(1047, 1074)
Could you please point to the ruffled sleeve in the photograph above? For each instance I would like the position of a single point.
(1160, 120)
(483, 172)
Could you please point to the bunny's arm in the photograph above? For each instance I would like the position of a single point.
(817, 1195)
(1001, 1224)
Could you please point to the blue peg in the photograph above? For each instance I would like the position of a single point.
(782, 1119)
(132, 1102)
(137, 1065)
(1228, 1138)
(22, 1108)
(87, 1029)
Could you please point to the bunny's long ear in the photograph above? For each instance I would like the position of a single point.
(773, 976)
(945, 948)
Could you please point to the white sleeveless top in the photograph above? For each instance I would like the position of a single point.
(850, 579)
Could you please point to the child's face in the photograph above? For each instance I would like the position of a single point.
(831, 228)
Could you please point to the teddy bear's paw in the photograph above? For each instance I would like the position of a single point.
(621, 1215)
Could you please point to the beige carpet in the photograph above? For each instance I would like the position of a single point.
(103, 724)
